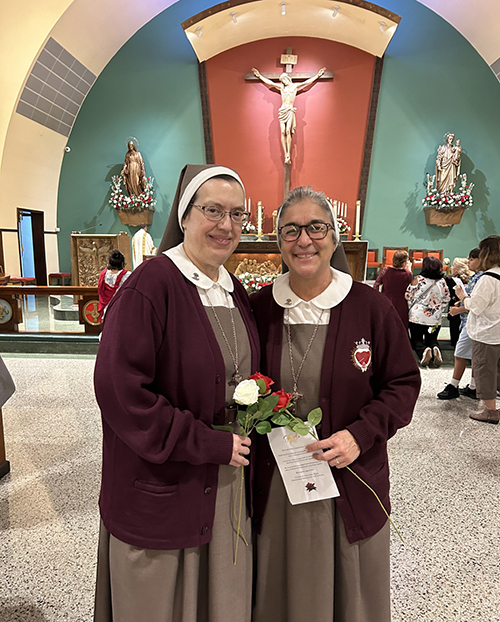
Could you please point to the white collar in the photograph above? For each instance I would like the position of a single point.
(193, 274)
(333, 295)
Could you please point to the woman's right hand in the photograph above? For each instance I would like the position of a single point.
(241, 448)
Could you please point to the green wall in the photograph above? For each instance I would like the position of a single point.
(433, 82)
(148, 90)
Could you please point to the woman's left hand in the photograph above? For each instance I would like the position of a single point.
(342, 449)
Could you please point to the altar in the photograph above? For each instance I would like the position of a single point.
(268, 251)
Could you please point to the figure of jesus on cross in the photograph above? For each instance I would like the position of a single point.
(286, 112)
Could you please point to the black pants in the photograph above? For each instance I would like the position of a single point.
(454, 321)
(422, 336)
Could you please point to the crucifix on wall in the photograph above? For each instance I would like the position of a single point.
(289, 86)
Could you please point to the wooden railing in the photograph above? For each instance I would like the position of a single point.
(11, 311)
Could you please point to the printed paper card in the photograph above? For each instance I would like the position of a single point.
(305, 478)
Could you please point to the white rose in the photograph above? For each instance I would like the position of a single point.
(246, 393)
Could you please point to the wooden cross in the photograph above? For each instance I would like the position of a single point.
(277, 82)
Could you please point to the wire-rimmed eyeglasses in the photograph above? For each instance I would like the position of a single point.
(315, 230)
(214, 212)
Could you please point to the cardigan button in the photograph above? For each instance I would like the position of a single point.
(268, 463)
(324, 399)
(208, 490)
(217, 379)
(204, 530)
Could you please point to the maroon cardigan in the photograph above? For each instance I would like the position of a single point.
(372, 404)
(160, 383)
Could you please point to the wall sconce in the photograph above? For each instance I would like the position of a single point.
(283, 8)
(233, 16)
(199, 31)
(383, 26)
(335, 10)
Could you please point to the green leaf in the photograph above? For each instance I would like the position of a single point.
(315, 416)
(272, 401)
(301, 428)
(263, 427)
(262, 386)
(242, 416)
(280, 419)
(253, 408)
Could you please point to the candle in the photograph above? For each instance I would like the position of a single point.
(335, 211)
(358, 215)
(249, 210)
(259, 219)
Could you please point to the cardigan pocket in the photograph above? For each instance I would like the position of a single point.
(157, 489)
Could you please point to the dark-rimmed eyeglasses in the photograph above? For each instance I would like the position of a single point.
(214, 212)
(315, 230)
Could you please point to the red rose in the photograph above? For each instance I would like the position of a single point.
(284, 399)
(258, 376)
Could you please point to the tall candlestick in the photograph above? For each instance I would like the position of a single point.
(249, 209)
(335, 209)
(358, 215)
(259, 220)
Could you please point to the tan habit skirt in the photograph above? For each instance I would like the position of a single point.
(307, 570)
(189, 585)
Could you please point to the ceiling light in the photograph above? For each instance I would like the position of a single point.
(199, 31)
(383, 26)
(283, 8)
(335, 10)
(233, 16)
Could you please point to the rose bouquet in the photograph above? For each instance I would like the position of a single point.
(261, 408)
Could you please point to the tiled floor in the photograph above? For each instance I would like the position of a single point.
(445, 491)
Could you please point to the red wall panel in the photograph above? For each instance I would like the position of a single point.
(327, 151)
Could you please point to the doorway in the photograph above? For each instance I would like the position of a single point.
(30, 228)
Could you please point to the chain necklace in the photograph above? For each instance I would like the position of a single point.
(296, 396)
(236, 377)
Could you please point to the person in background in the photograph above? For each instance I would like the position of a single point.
(142, 244)
(394, 281)
(463, 349)
(483, 326)
(460, 274)
(177, 337)
(337, 344)
(111, 279)
(427, 296)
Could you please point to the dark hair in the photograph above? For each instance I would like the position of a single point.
(474, 254)
(306, 193)
(489, 252)
(224, 177)
(399, 259)
(116, 260)
(432, 268)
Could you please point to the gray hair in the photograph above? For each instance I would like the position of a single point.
(306, 193)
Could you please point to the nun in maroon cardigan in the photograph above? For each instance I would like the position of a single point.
(339, 345)
(175, 338)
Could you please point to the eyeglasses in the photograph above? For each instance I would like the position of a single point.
(315, 230)
(214, 212)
